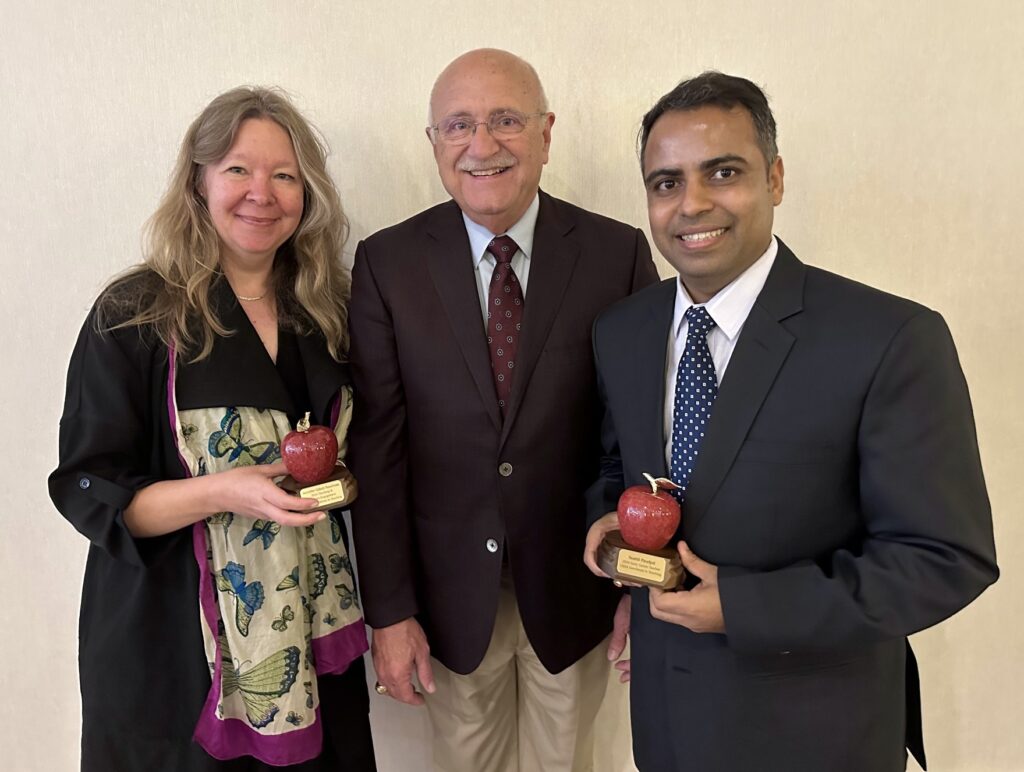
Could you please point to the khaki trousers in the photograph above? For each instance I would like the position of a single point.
(511, 714)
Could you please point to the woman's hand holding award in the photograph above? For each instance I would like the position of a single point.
(310, 454)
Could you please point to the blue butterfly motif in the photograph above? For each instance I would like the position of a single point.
(290, 582)
(248, 596)
(228, 441)
(266, 530)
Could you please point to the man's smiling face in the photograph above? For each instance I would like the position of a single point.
(710, 195)
(493, 181)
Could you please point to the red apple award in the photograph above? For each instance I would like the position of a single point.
(636, 553)
(311, 455)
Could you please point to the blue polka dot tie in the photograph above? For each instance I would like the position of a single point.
(696, 389)
(504, 318)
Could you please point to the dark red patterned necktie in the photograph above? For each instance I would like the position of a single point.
(504, 318)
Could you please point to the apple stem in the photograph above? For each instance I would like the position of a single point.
(652, 481)
(303, 424)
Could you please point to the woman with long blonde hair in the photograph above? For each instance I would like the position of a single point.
(220, 626)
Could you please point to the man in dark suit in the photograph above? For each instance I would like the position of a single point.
(477, 433)
(823, 437)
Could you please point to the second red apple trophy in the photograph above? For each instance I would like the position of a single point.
(649, 516)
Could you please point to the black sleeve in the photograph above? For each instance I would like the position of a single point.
(108, 440)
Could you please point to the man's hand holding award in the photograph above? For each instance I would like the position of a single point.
(636, 553)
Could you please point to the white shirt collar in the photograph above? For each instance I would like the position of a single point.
(521, 233)
(731, 305)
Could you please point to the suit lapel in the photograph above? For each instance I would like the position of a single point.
(555, 252)
(760, 352)
(451, 268)
(648, 376)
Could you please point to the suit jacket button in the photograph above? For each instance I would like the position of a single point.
(84, 483)
(505, 470)
(492, 545)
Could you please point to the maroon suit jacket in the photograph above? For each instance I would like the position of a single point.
(446, 485)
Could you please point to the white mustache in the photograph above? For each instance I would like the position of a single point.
(501, 160)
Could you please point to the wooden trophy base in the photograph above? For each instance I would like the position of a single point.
(336, 492)
(653, 568)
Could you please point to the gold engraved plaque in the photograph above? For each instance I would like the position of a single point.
(658, 568)
(337, 491)
(639, 565)
(328, 494)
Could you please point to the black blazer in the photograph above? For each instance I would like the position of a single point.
(839, 490)
(440, 475)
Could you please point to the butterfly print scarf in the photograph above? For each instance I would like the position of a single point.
(278, 604)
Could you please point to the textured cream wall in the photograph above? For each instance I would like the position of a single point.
(900, 126)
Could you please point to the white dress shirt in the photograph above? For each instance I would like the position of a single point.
(729, 308)
(483, 261)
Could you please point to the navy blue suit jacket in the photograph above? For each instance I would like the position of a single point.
(839, 489)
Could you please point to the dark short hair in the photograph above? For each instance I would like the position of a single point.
(719, 90)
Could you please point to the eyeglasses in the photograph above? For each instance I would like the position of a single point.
(460, 130)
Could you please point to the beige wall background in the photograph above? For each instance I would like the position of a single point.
(900, 125)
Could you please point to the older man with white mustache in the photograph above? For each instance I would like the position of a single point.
(477, 433)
